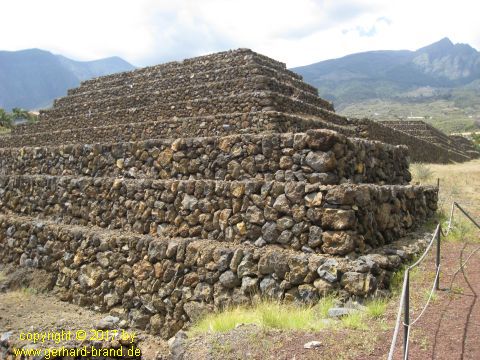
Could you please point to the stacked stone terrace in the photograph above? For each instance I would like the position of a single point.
(225, 93)
(169, 191)
(459, 150)
(466, 145)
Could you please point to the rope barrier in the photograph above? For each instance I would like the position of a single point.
(429, 298)
(435, 234)
(465, 263)
(449, 226)
(404, 298)
(397, 323)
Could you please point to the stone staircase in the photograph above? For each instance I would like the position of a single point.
(424, 131)
(166, 195)
(466, 145)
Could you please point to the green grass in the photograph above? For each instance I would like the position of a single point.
(226, 320)
(286, 316)
(376, 308)
(325, 303)
(224, 348)
(426, 295)
(457, 290)
(463, 230)
(354, 321)
(439, 217)
(29, 291)
(396, 282)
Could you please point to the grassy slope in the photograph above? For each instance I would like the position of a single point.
(458, 182)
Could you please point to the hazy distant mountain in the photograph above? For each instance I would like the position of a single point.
(387, 74)
(31, 79)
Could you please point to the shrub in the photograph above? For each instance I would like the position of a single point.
(422, 172)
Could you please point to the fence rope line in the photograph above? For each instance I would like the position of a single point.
(449, 226)
(435, 234)
(397, 323)
(404, 299)
(462, 265)
(429, 298)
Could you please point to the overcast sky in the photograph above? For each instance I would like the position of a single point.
(298, 32)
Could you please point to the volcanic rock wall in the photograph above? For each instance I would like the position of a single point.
(317, 156)
(162, 284)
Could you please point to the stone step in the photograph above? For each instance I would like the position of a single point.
(447, 144)
(419, 149)
(428, 133)
(164, 284)
(242, 103)
(462, 141)
(223, 124)
(217, 75)
(465, 144)
(187, 68)
(173, 95)
(317, 156)
(246, 102)
(237, 122)
(335, 219)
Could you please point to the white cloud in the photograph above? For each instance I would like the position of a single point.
(296, 32)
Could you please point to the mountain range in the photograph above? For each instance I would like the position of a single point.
(377, 74)
(31, 79)
(439, 82)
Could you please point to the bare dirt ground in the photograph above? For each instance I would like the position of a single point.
(25, 308)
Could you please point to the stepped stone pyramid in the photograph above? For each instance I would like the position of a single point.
(458, 148)
(166, 192)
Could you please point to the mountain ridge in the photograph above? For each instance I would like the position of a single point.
(439, 82)
(440, 65)
(33, 78)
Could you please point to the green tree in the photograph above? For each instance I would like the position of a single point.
(6, 119)
(18, 113)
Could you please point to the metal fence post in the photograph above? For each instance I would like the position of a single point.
(437, 261)
(406, 311)
(467, 215)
